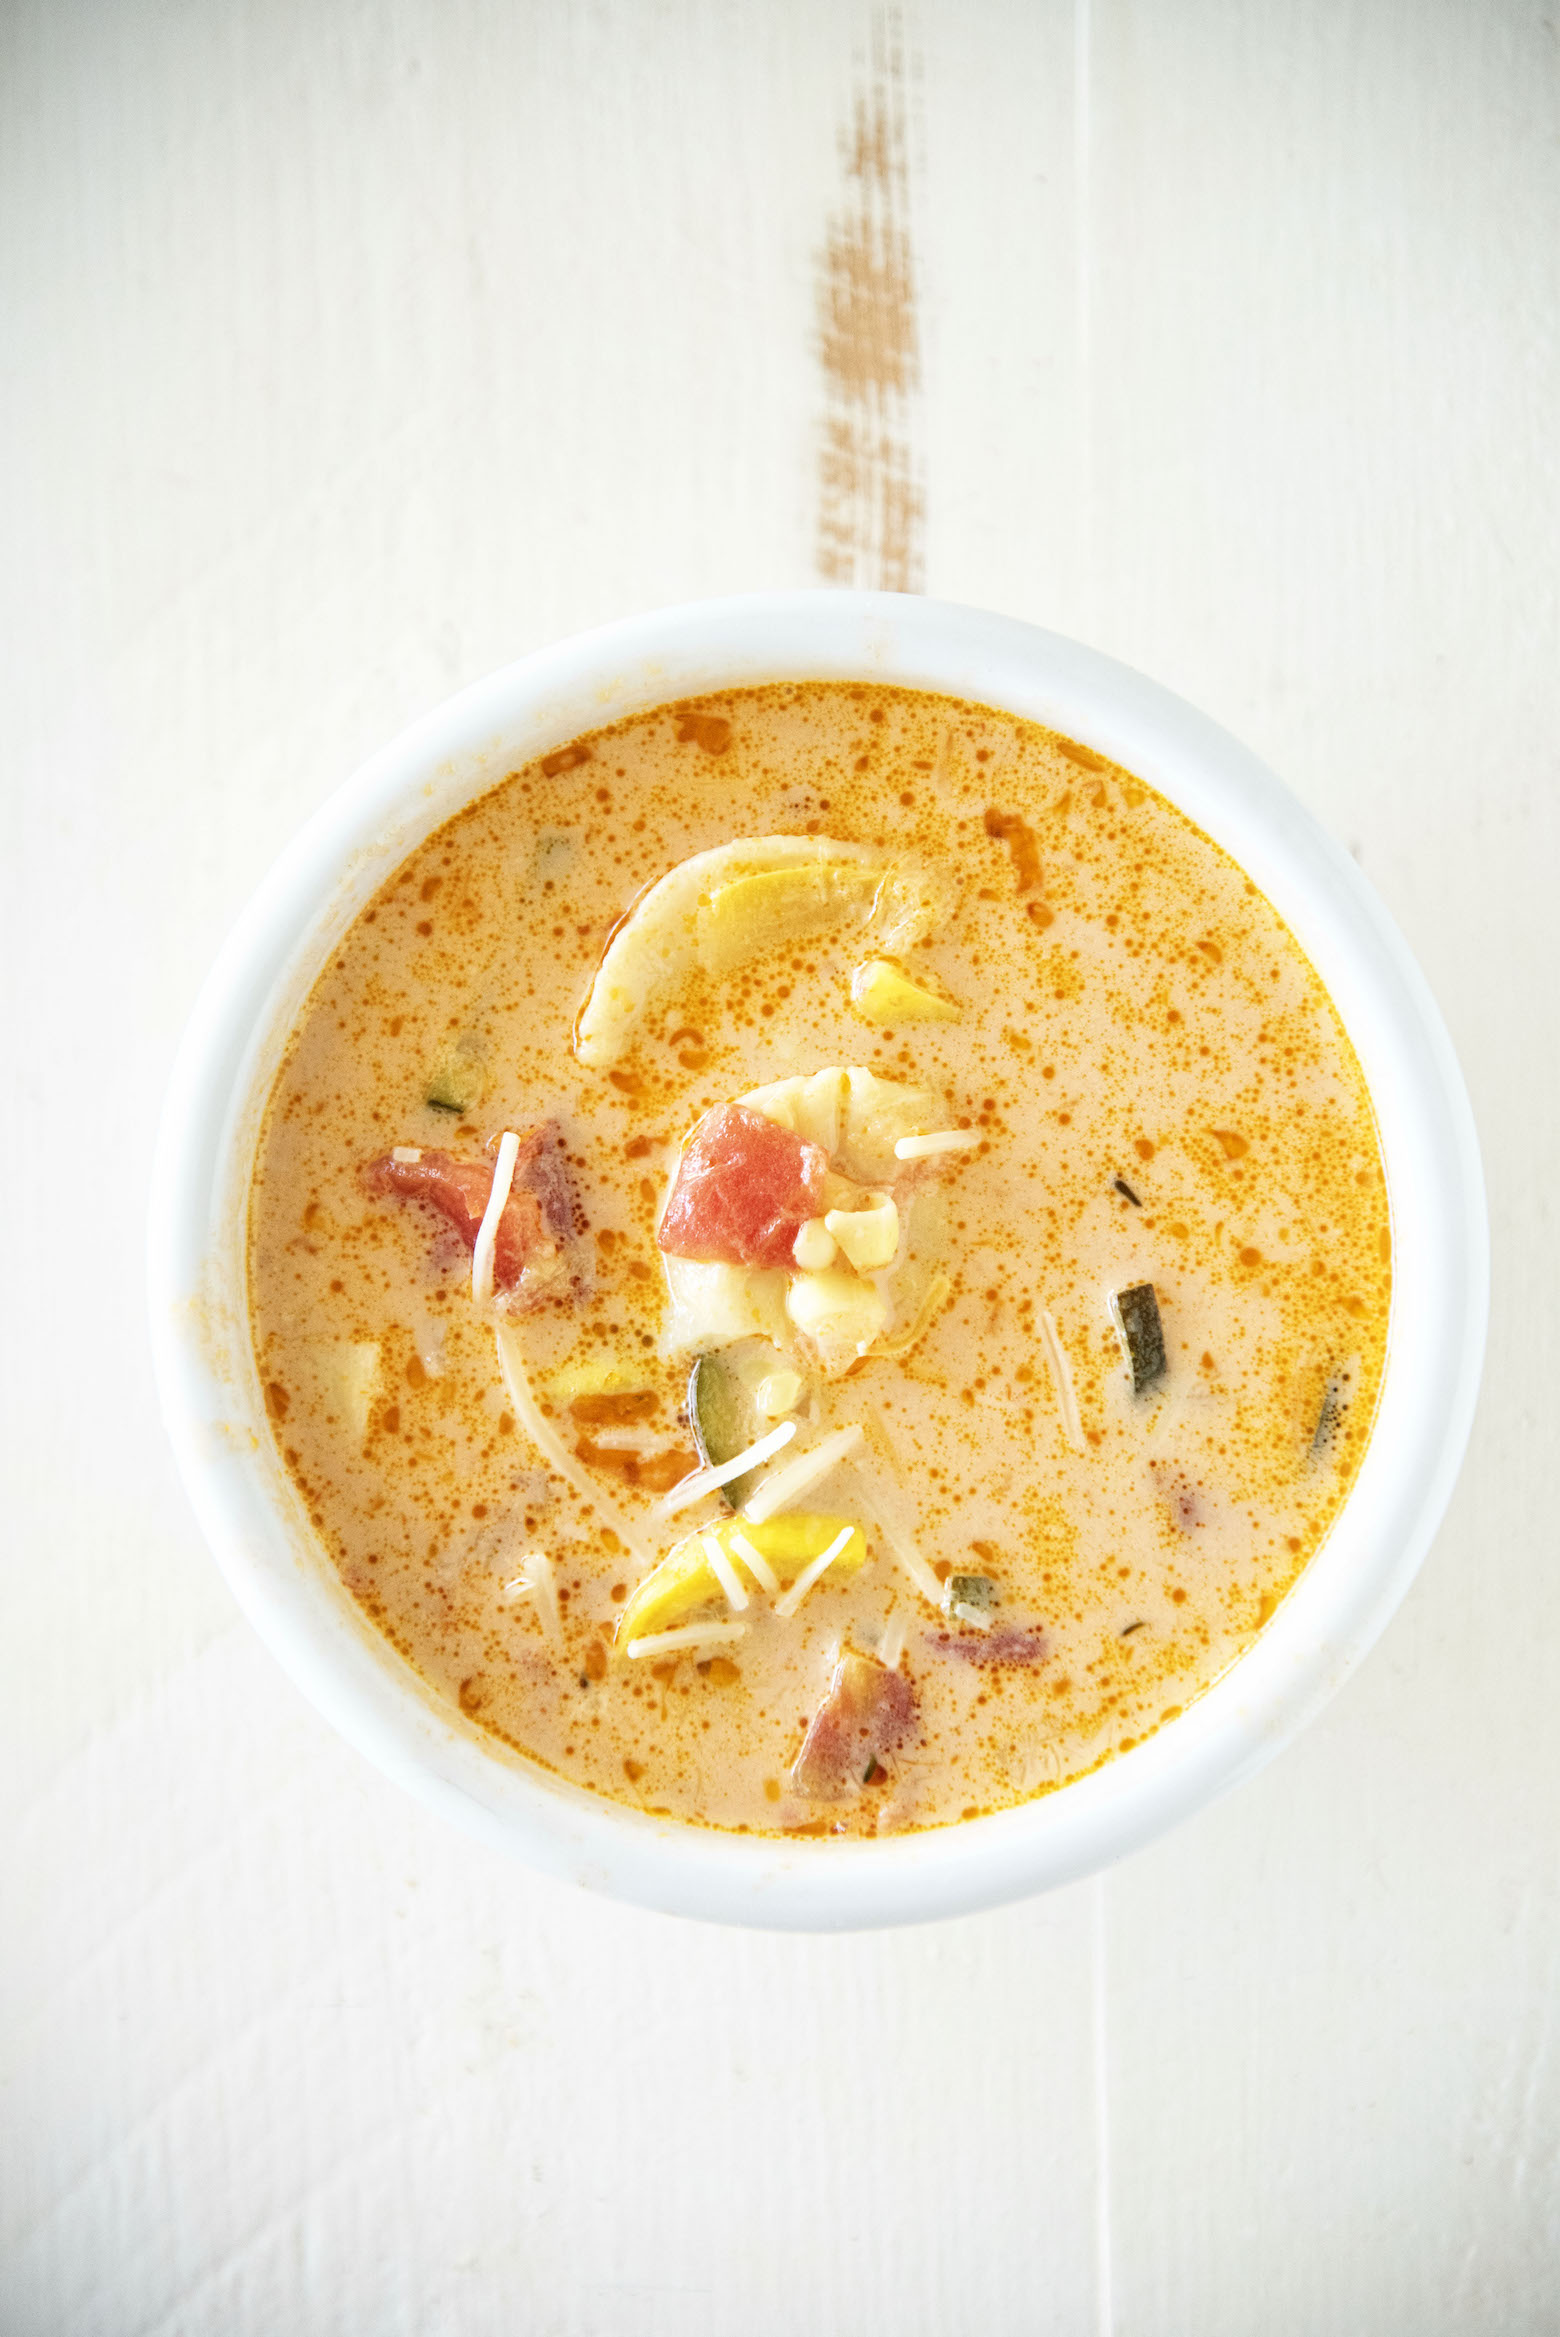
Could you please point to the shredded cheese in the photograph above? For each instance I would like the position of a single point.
(782, 1485)
(537, 1583)
(698, 1482)
(686, 1635)
(724, 1572)
(908, 1558)
(809, 1574)
(756, 1563)
(511, 1362)
(497, 1203)
(1061, 1372)
(901, 1548)
(940, 1140)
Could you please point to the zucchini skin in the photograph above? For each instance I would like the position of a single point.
(1142, 1334)
(718, 1416)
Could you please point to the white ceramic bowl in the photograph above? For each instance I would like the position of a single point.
(255, 1522)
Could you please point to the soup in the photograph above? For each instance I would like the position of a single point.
(819, 1260)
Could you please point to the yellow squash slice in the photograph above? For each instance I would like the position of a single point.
(884, 993)
(685, 1580)
(755, 913)
(719, 907)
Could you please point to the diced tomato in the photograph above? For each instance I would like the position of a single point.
(868, 1712)
(1014, 1643)
(745, 1187)
(531, 1251)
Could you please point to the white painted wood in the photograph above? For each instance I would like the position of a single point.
(354, 350)
(1325, 336)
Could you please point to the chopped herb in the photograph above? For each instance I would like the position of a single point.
(1335, 1401)
(1142, 1334)
(1326, 1422)
(1131, 1627)
(1126, 1192)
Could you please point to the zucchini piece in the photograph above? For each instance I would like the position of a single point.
(972, 1590)
(724, 1420)
(459, 1081)
(575, 1380)
(1136, 1311)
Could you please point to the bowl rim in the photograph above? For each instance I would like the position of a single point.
(253, 1519)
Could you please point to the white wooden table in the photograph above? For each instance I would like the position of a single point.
(353, 349)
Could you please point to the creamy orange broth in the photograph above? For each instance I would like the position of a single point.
(1163, 1093)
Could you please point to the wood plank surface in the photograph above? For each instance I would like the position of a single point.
(353, 349)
